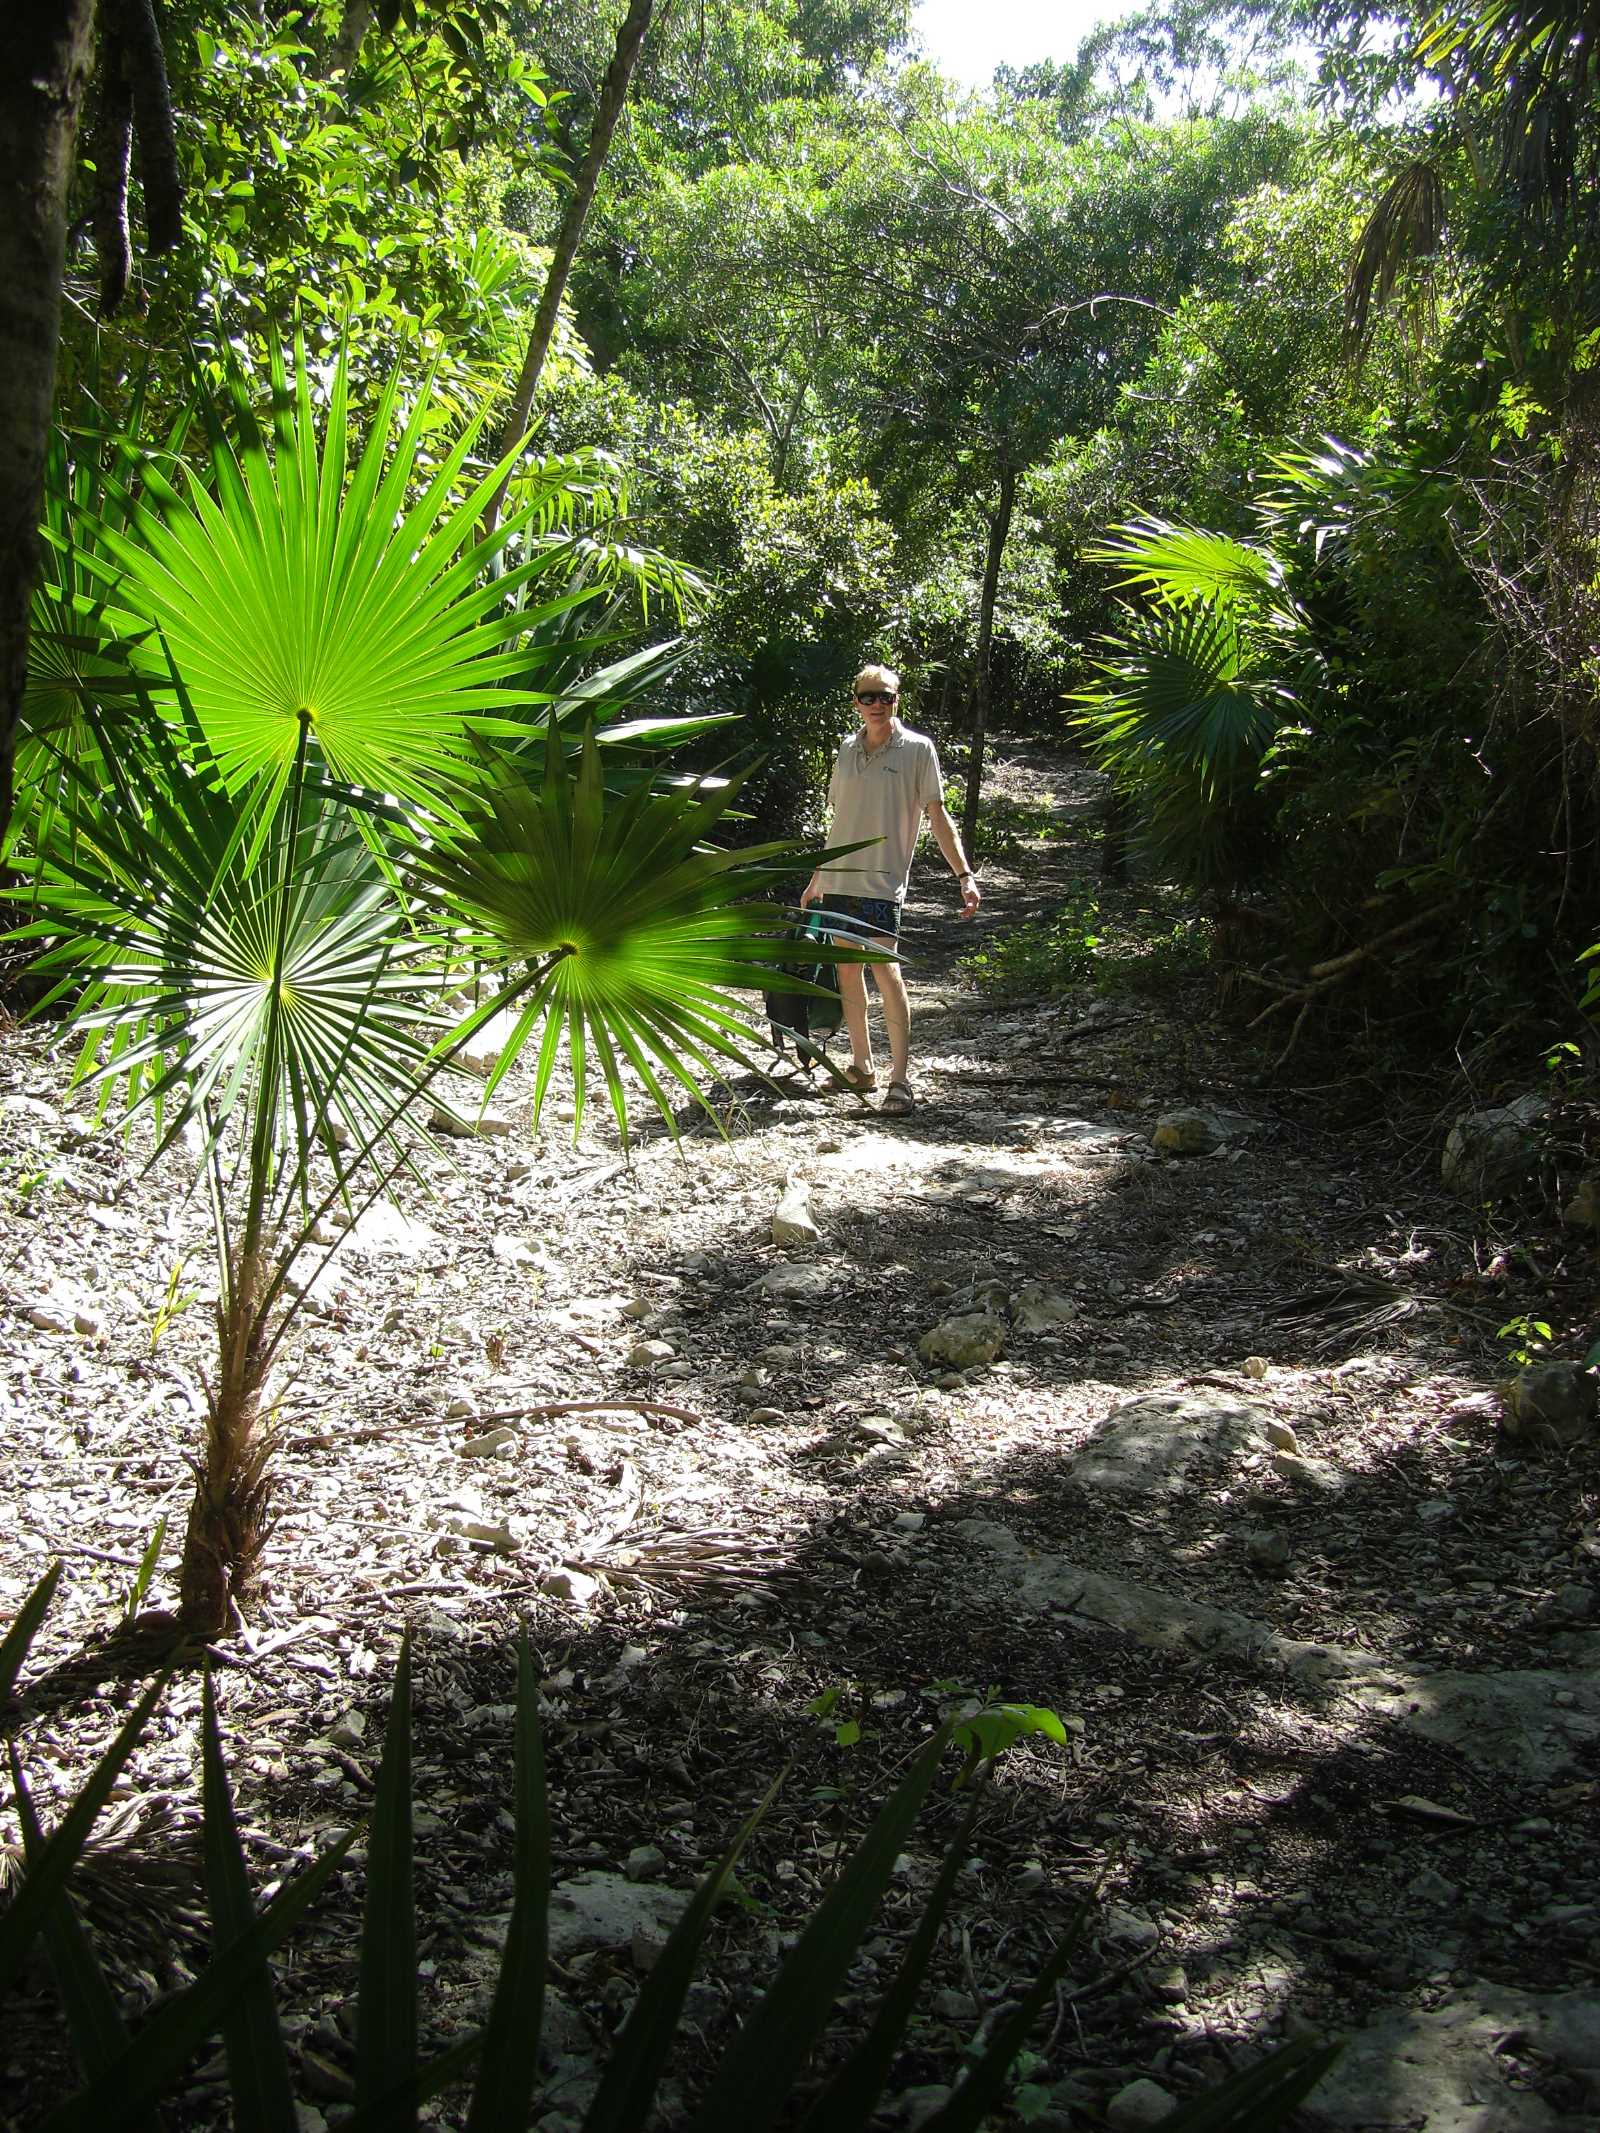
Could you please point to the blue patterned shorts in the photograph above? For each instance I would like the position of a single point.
(877, 915)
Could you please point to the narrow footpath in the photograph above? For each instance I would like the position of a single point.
(1123, 1378)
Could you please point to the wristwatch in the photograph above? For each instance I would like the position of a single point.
(966, 874)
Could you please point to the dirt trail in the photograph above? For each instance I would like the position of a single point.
(1229, 1497)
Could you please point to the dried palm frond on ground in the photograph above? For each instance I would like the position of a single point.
(708, 1557)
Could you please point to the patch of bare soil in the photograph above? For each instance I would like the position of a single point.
(1322, 1641)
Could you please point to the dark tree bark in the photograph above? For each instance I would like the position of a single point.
(130, 28)
(983, 679)
(48, 54)
(113, 155)
(613, 95)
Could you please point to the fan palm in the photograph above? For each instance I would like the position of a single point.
(314, 824)
(1187, 701)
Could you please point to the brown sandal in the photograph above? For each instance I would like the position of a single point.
(861, 1079)
(898, 1101)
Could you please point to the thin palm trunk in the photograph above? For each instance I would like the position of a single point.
(231, 1513)
(983, 681)
(229, 1516)
(613, 95)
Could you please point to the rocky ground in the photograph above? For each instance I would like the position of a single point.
(1203, 1453)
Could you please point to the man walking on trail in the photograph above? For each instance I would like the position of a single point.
(885, 779)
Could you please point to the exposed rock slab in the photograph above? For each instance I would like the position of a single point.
(606, 1910)
(1509, 1721)
(1151, 1444)
(1445, 2071)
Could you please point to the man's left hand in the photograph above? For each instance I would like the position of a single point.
(971, 895)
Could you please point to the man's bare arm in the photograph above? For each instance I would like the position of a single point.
(948, 839)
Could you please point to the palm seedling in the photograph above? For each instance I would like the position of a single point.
(1189, 698)
(254, 915)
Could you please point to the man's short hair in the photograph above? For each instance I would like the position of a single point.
(879, 678)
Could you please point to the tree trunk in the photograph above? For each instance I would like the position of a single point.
(229, 1515)
(982, 691)
(49, 49)
(613, 94)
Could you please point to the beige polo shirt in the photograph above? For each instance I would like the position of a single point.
(883, 796)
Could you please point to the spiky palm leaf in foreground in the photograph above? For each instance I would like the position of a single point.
(350, 604)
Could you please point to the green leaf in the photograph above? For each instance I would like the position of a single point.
(25, 1916)
(628, 2085)
(753, 2083)
(988, 1733)
(638, 933)
(985, 2084)
(96, 2026)
(1183, 563)
(386, 1997)
(258, 2065)
(179, 2026)
(19, 1637)
(1263, 2097)
(504, 2090)
(147, 1567)
(851, 2097)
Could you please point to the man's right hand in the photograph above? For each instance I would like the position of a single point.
(810, 893)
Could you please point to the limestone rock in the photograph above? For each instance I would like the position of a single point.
(1149, 1445)
(1141, 2104)
(501, 1439)
(604, 1910)
(1186, 1133)
(576, 1587)
(644, 1355)
(1552, 1405)
(1447, 2069)
(1315, 1476)
(1540, 1724)
(1035, 1308)
(1268, 1552)
(794, 1226)
(963, 1343)
(800, 1282)
(987, 1536)
(1491, 1155)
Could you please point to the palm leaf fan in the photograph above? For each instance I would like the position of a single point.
(161, 921)
(1178, 563)
(1405, 229)
(355, 601)
(637, 934)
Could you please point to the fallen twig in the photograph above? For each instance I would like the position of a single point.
(1323, 977)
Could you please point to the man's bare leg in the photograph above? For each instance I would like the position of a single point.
(853, 999)
(896, 1015)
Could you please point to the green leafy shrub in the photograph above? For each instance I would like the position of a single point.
(759, 2080)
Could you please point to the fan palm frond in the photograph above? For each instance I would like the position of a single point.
(1183, 687)
(639, 934)
(351, 599)
(174, 920)
(1177, 563)
(1404, 230)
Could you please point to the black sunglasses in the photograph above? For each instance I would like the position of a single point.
(875, 696)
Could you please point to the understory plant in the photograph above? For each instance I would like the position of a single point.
(760, 2080)
(356, 750)
(1188, 699)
